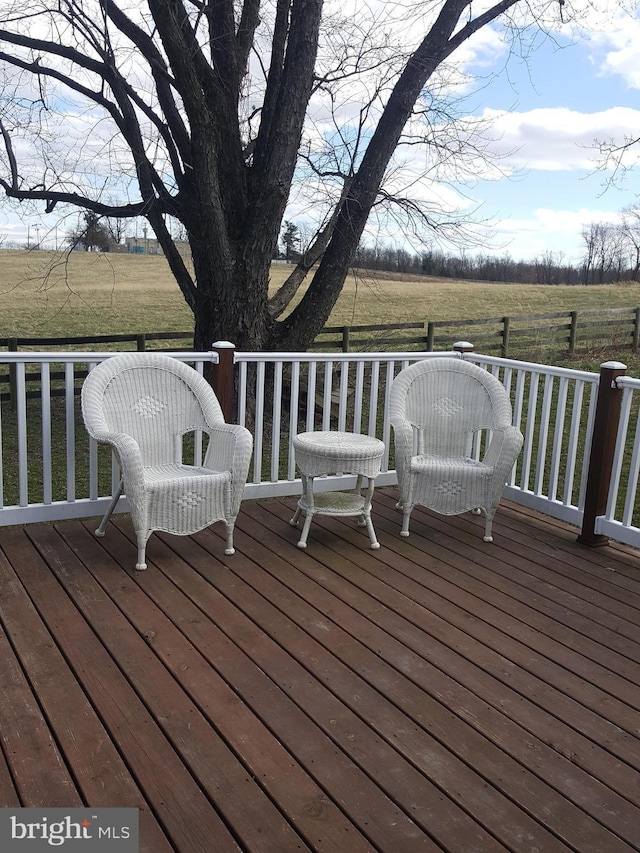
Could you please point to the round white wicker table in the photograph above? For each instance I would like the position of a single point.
(332, 452)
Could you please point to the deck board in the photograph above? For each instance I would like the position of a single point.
(455, 651)
(438, 694)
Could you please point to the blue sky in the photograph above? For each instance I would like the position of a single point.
(559, 101)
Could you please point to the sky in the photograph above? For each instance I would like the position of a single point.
(544, 114)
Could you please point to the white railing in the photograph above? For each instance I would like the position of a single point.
(554, 407)
(621, 519)
(281, 394)
(50, 469)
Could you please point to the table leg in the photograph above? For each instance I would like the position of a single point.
(307, 488)
(366, 514)
(302, 543)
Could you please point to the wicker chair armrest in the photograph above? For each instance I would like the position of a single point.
(127, 451)
(504, 448)
(403, 440)
(131, 467)
(230, 448)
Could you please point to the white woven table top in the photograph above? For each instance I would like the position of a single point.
(331, 451)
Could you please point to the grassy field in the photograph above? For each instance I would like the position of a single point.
(49, 295)
(93, 294)
(44, 294)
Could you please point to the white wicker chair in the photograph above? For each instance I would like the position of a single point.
(143, 404)
(437, 407)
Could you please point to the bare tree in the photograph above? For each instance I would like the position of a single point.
(204, 111)
(630, 235)
(118, 227)
(602, 257)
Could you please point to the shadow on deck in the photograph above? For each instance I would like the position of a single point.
(437, 694)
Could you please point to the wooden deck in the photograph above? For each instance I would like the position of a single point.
(437, 694)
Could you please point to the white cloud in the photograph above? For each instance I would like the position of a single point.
(623, 59)
(559, 139)
(547, 229)
(611, 31)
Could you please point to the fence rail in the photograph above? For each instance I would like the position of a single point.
(523, 336)
(504, 335)
(51, 470)
(140, 340)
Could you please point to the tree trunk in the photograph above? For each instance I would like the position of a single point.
(231, 302)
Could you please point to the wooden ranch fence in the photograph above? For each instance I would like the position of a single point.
(525, 336)
(505, 336)
(137, 342)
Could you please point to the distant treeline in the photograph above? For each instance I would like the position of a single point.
(547, 269)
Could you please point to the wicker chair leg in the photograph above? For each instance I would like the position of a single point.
(112, 505)
(142, 547)
(488, 524)
(229, 549)
(405, 520)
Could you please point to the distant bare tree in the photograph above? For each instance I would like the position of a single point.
(602, 251)
(630, 233)
(118, 228)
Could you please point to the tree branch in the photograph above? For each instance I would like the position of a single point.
(278, 141)
(274, 76)
(54, 198)
(13, 165)
(105, 72)
(163, 82)
(476, 24)
(315, 306)
(249, 21)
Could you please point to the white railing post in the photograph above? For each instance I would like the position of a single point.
(463, 347)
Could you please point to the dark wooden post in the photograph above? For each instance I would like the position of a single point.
(345, 338)
(222, 378)
(431, 332)
(573, 331)
(636, 330)
(506, 328)
(603, 443)
(13, 373)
